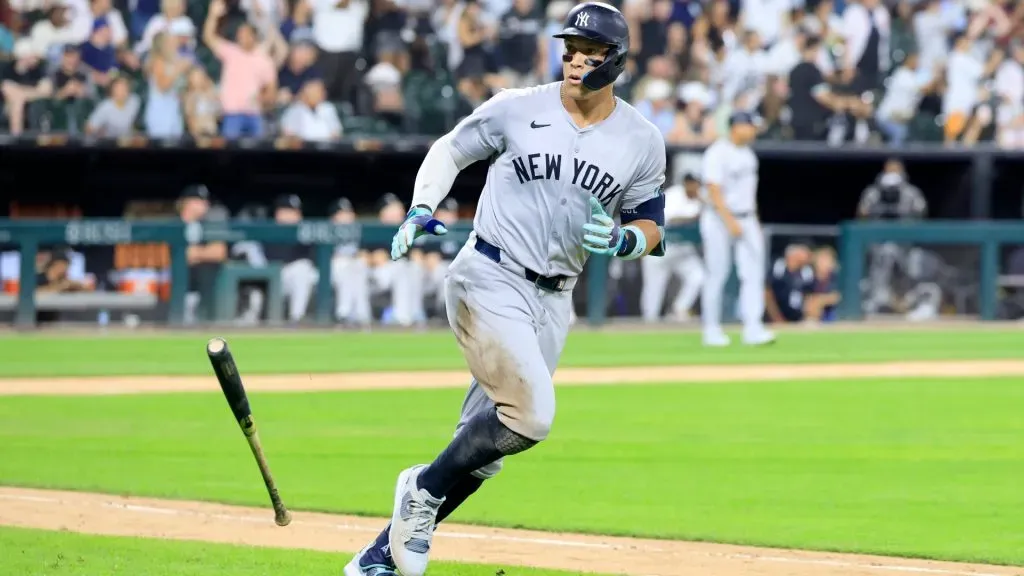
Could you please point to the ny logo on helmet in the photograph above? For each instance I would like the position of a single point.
(581, 19)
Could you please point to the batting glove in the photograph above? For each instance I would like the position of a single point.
(418, 222)
(601, 235)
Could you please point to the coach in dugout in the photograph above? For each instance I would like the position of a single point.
(802, 288)
(205, 259)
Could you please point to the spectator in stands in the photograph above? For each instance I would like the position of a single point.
(1009, 88)
(692, 124)
(476, 73)
(115, 116)
(721, 23)
(553, 48)
(140, 12)
(338, 32)
(349, 272)
(384, 81)
(932, 28)
(52, 33)
(204, 258)
(653, 32)
(172, 14)
(265, 14)
(248, 77)
(298, 27)
(99, 53)
(768, 19)
(202, 104)
(964, 73)
(867, 32)
(811, 99)
(678, 51)
(310, 118)
(823, 294)
(297, 70)
(71, 85)
(903, 93)
(521, 46)
(744, 69)
(790, 280)
(24, 81)
(658, 105)
(298, 274)
(166, 70)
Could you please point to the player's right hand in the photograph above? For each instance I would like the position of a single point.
(735, 230)
(418, 222)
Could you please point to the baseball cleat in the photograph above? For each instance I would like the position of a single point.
(370, 562)
(412, 523)
(761, 338)
(716, 339)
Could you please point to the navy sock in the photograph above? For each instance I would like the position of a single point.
(380, 553)
(483, 440)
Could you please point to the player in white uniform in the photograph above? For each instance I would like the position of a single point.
(729, 225)
(682, 206)
(564, 158)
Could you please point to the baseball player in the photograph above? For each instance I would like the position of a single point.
(682, 206)
(438, 253)
(350, 272)
(730, 226)
(564, 158)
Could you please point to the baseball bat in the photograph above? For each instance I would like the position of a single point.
(231, 384)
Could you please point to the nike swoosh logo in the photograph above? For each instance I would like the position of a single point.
(534, 125)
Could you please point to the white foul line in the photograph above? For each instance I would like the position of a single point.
(514, 539)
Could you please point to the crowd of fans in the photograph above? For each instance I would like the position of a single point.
(317, 70)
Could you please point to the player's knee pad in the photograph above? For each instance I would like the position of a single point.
(533, 424)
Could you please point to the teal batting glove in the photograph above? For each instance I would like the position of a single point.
(601, 235)
(418, 222)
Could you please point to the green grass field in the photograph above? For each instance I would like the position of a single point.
(908, 467)
(46, 355)
(42, 553)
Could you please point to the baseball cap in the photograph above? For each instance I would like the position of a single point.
(288, 201)
(196, 191)
(741, 118)
(387, 199)
(689, 177)
(449, 204)
(340, 205)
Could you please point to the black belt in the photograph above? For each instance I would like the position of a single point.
(549, 283)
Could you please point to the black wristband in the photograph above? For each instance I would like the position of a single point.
(628, 242)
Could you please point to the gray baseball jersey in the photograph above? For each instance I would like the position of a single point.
(544, 168)
(543, 171)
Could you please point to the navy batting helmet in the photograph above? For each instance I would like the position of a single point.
(603, 23)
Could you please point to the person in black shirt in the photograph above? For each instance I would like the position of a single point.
(204, 258)
(810, 98)
(71, 85)
(788, 284)
(298, 274)
(299, 69)
(24, 81)
(350, 272)
(521, 45)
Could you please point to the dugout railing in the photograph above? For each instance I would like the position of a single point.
(853, 240)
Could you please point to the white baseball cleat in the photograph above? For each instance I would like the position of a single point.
(717, 339)
(412, 523)
(759, 338)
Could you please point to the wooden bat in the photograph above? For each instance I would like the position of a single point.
(231, 384)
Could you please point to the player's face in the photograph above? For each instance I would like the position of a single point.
(745, 133)
(581, 56)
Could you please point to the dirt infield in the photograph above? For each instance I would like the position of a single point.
(116, 515)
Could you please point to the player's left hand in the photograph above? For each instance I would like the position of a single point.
(418, 222)
(601, 235)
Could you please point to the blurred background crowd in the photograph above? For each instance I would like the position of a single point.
(837, 71)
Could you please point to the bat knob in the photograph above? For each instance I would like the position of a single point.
(216, 346)
(283, 519)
